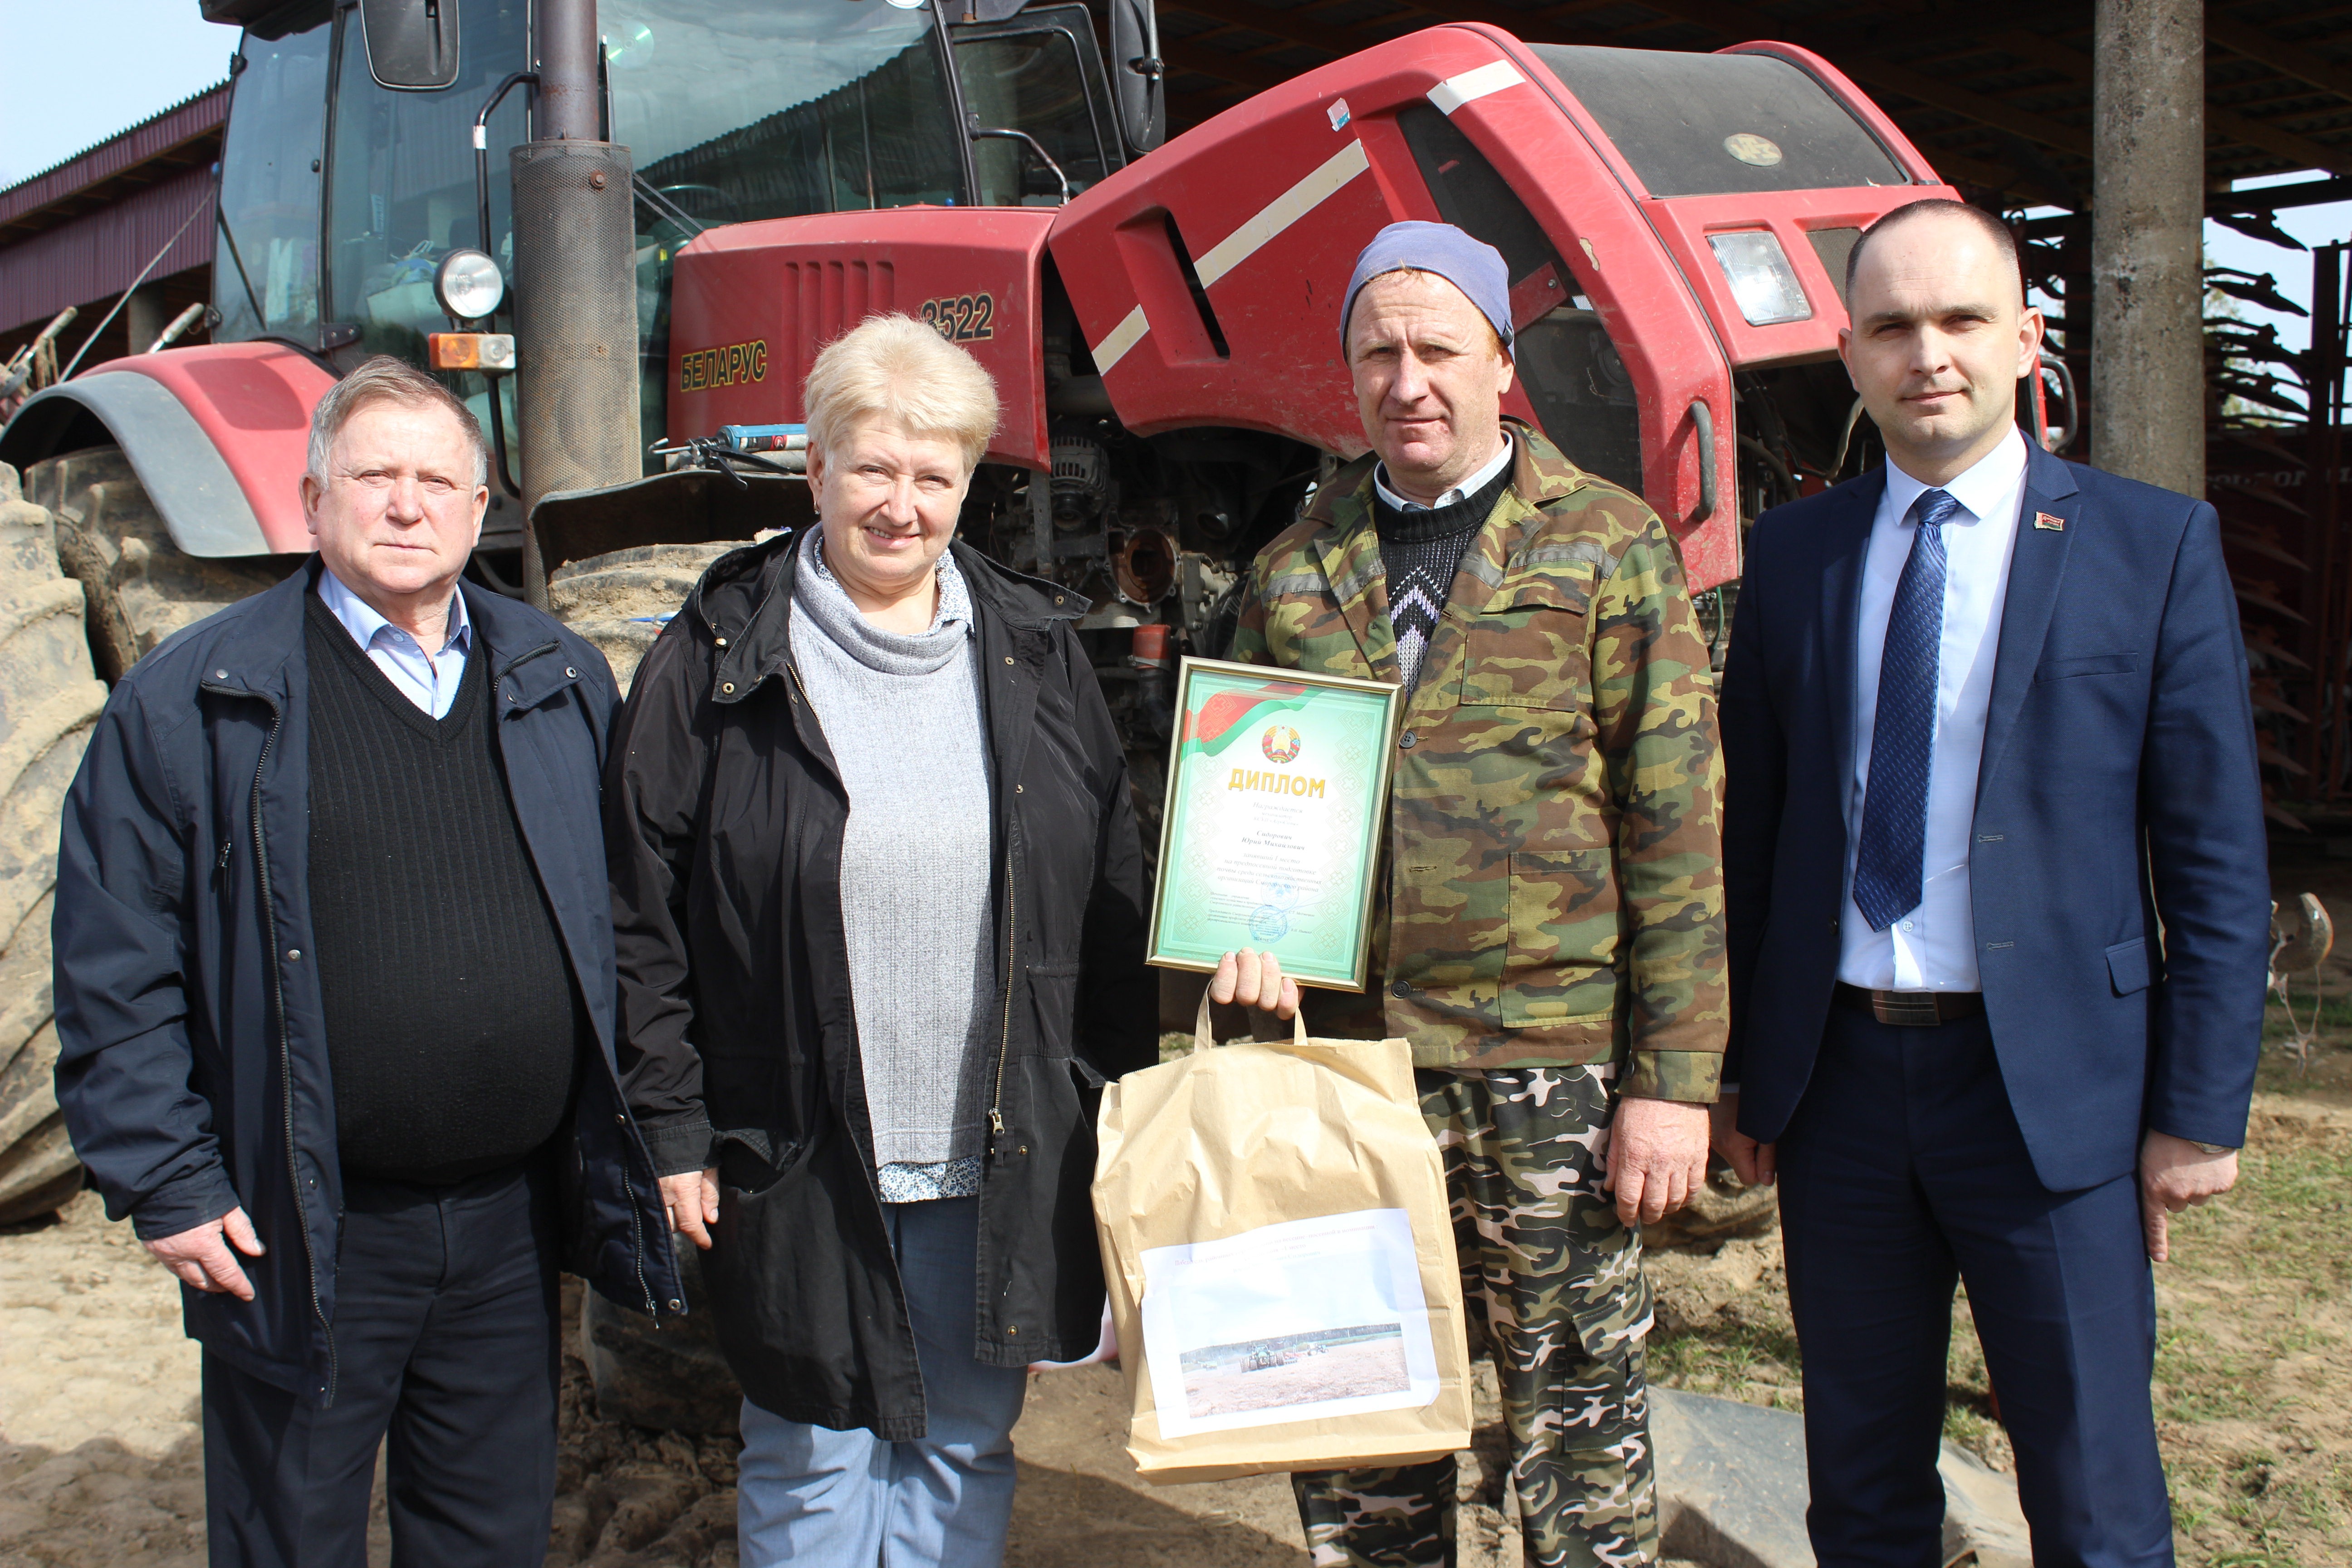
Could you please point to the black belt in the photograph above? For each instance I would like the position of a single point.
(1915, 1009)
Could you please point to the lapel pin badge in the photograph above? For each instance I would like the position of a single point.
(2054, 525)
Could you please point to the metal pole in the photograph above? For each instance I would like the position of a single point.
(570, 108)
(2321, 369)
(575, 284)
(2147, 349)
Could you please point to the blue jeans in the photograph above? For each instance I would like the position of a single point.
(848, 1499)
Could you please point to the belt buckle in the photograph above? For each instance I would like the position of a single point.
(1911, 1009)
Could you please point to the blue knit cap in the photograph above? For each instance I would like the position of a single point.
(1470, 265)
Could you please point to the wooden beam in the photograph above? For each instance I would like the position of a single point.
(1239, 69)
(2300, 61)
(2263, 134)
(1739, 22)
(1334, 38)
(2266, 136)
(1999, 178)
(1967, 104)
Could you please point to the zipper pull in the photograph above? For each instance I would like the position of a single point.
(227, 845)
(998, 1144)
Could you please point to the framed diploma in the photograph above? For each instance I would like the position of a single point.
(1277, 791)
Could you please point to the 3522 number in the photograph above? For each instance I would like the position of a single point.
(964, 319)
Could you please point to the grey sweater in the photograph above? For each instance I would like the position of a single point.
(902, 714)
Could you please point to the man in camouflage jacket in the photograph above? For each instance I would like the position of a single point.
(1551, 935)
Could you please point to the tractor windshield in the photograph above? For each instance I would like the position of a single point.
(1698, 125)
(1041, 74)
(400, 180)
(736, 109)
(266, 270)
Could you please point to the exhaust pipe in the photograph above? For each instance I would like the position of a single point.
(575, 283)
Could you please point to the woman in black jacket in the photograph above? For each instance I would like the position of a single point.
(877, 909)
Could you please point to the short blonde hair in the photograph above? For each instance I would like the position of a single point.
(896, 367)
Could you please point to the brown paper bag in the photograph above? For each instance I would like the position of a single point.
(1275, 1235)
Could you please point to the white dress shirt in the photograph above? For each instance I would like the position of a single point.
(428, 679)
(1933, 947)
(1463, 491)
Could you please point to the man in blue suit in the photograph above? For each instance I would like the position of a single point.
(1998, 917)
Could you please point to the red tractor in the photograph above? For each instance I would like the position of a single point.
(698, 196)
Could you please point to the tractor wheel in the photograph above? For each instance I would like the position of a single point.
(620, 599)
(672, 1378)
(141, 588)
(49, 698)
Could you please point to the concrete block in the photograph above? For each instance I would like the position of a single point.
(1732, 1489)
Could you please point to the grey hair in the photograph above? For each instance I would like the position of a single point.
(384, 379)
(898, 368)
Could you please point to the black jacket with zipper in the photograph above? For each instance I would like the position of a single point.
(739, 1040)
(193, 1065)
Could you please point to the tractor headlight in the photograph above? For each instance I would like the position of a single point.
(1761, 281)
(469, 285)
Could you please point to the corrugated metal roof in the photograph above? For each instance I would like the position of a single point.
(96, 255)
(81, 229)
(159, 133)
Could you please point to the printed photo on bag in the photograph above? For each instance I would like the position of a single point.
(1287, 1323)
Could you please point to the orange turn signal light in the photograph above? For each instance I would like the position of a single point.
(470, 351)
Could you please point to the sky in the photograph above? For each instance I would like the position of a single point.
(2313, 225)
(80, 70)
(157, 52)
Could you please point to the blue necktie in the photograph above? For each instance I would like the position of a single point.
(1894, 804)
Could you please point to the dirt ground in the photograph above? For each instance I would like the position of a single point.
(2254, 1348)
(100, 1463)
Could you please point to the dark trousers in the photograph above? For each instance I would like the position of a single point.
(446, 1344)
(1902, 1172)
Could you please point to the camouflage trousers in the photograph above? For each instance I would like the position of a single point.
(1553, 1284)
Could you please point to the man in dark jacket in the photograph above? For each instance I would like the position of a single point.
(334, 978)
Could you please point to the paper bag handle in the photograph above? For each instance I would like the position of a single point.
(1202, 1040)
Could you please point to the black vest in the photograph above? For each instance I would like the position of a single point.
(454, 1029)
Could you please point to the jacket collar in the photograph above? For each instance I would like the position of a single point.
(1347, 546)
(2037, 569)
(256, 646)
(255, 650)
(743, 603)
(1845, 542)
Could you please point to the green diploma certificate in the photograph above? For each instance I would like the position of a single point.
(1278, 793)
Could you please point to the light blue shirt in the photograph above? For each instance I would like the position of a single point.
(1933, 947)
(428, 679)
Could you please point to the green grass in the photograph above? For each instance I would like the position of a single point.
(2252, 1369)
(2334, 1014)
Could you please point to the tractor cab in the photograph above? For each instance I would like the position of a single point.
(1676, 227)
(1167, 346)
(349, 170)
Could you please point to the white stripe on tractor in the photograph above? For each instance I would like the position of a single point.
(1282, 212)
(1245, 241)
(1472, 85)
(1123, 337)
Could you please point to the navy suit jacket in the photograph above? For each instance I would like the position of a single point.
(2117, 870)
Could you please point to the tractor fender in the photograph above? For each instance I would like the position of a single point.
(218, 434)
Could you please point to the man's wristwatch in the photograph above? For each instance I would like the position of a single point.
(2214, 1148)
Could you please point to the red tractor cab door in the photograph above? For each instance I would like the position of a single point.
(1207, 278)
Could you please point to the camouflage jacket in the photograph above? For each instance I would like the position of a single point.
(1554, 880)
